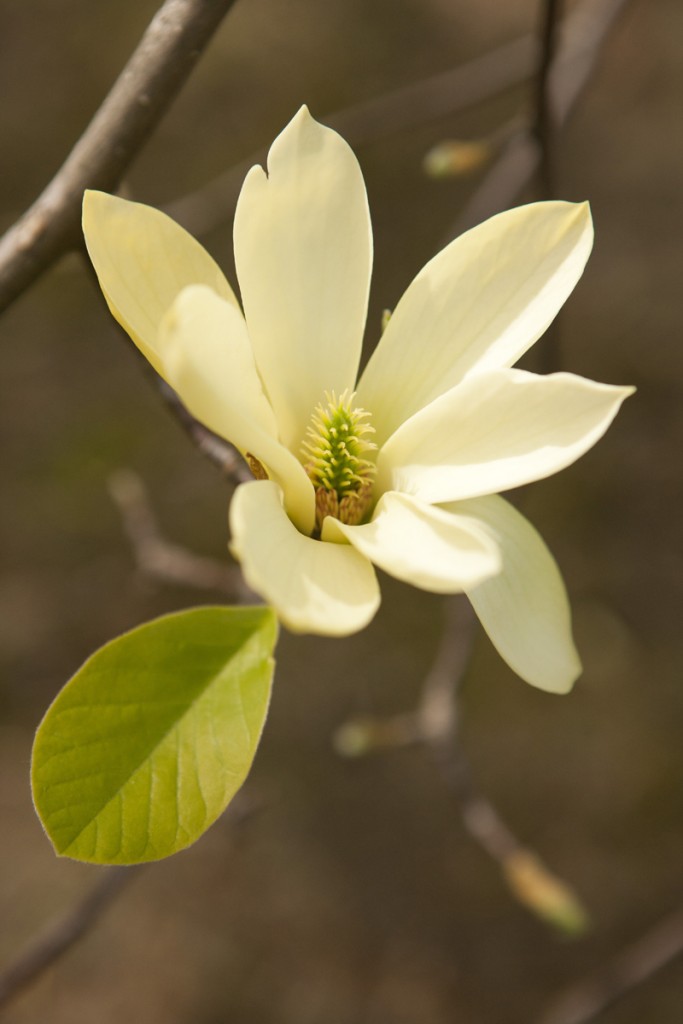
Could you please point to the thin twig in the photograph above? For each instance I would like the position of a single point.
(437, 724)
(530, 881)
(584, 1001)
(218, 451)
(52, 942)
(434, 725)
(543, 124)
(582, 37)
(158, 68)
(435, 719)
(438, 711)
(549, 354)
(396, 111)
(441, 95)
(156, 556)
(57, 939)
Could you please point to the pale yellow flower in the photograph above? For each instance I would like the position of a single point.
(452, 424)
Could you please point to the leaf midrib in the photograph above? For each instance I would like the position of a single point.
(213, 680)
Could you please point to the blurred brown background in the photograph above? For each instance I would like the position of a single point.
(353, 895)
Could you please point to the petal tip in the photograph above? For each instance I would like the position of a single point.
(93, 197)
(578, 218)
(93, 200)
(586, 214)
(559, 681)
(565, 684)
(619, 393)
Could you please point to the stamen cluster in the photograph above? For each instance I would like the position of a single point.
(335, 457)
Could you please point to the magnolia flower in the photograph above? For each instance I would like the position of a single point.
(402, 469)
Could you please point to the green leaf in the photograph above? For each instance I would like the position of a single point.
(147, 744)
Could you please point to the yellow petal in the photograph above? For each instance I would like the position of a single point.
(478, 305)
(495, 431)
(314, 587)
(303, 251)
(207, 360)
(524, 609)
(143, 260)
(422, 545)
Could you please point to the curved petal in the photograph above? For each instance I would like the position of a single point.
(478, 305)
(422, 545)
(143, 260)
(496, 431)
(314, 587)
(208, 360)
(525, 609)
(303, 251)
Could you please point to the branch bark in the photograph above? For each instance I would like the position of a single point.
(158, 68)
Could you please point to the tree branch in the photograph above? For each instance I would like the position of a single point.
(217, 450)
(584, 1001)
(548, 355)
(544, 127)
(53, 941)
(58, 938)
(582, 37)
(434, 724)
(380, 117)
(158, 68)
(435, 720)
(157, 557)
(459, 88)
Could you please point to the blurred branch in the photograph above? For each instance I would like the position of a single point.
(435, 720)
(585, 1001)
(544, 127)
(163, 60)
(399, 110)
(158, 68)
(441, 95)
(549, 354)
(154, 555)
(582, 36)
(57, 939)
(435, 725)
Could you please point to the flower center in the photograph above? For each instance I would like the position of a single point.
(334, 453)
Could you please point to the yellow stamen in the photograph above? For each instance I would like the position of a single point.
(334, 454)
